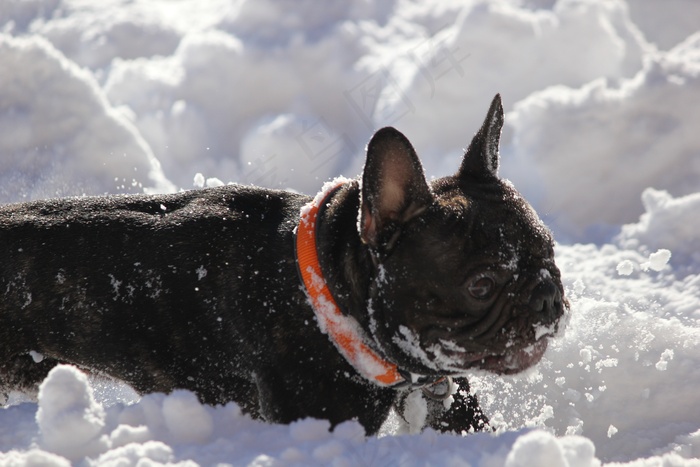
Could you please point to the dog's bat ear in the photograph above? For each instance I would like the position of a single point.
(393, 187)
(481, 158)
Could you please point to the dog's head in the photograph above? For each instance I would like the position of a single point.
(465, 273)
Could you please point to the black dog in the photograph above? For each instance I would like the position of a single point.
(411, 282)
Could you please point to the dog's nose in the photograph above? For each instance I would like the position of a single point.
(546, 301)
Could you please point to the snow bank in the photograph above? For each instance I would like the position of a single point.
(665, 23)
(667, 223)
(501, 47)
(350, 72)
(58, 133)
(177, 430)
(190, 80)
(571, 146)
(127, 96)
(332, 76)
(197, 110)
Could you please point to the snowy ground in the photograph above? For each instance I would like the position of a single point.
(601, 135)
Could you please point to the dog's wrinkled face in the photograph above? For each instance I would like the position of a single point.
(466, 277)
(486, 298)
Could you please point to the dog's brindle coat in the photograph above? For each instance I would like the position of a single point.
(199, 290)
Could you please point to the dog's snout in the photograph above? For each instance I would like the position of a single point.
(546, 300)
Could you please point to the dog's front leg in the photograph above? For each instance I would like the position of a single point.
(442, 408)
(463, 414)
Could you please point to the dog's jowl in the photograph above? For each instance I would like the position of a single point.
(374, 293)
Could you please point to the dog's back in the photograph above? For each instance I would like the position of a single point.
(62, 290)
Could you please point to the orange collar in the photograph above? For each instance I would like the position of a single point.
(344, 331)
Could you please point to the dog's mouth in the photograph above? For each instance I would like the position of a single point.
(511, 337)
(514, 360)
(452, 357)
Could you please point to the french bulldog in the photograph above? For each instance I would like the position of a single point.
(339, 307)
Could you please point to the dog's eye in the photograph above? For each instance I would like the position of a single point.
(482, 287)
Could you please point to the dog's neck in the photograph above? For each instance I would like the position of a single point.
(347, 333)
(342, 271)
(345, 261)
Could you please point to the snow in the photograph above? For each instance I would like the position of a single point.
(69, 419)
(177, 430)
(657, 260)
(600, 135)
(59, 134)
